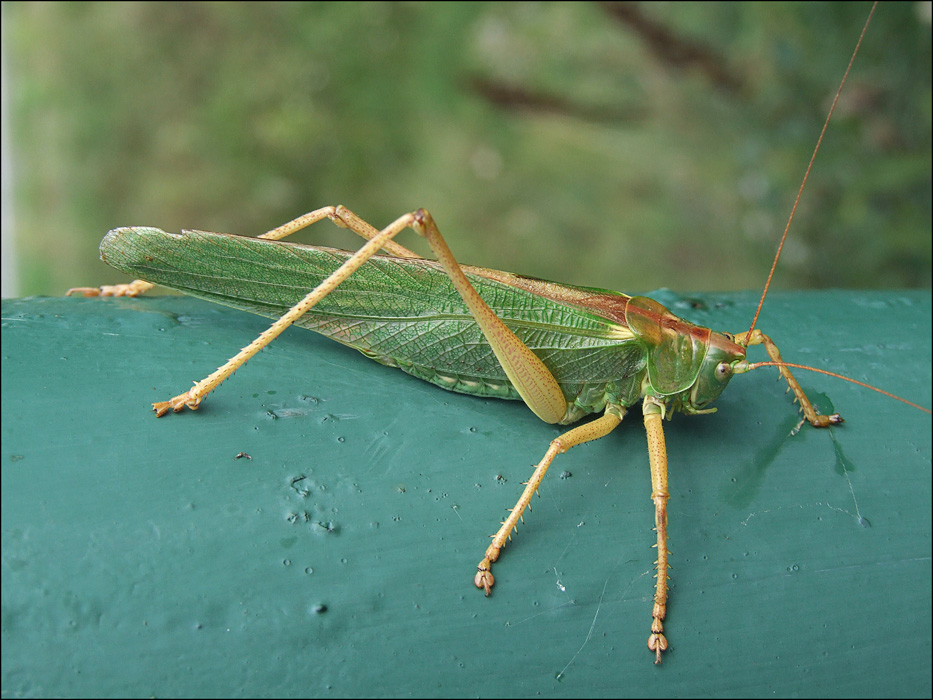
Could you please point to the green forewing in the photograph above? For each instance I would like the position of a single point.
(402, 312)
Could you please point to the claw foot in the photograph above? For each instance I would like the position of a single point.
(484, 578)
(178, 403)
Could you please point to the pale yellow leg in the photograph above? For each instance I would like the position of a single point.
(758, 338)
(533, 381)
(130, 289)
(340, 215)
(657, 457)
(344, 218)
(193, 397)
(528, 374)
(585, 433)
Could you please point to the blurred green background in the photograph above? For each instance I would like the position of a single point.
(624, 146)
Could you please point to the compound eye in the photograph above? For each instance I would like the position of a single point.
(729, 337)
(723, 370)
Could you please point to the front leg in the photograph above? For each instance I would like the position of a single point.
(756, 337)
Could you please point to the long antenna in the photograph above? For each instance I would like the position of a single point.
(756, 365)
(809, 167)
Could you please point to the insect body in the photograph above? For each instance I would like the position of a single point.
(602, 347)
(566, 351)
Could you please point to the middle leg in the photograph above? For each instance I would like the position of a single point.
(585, 433)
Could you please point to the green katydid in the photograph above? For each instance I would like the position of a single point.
(565, 351)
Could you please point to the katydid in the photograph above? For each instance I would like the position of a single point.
(566, 351)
